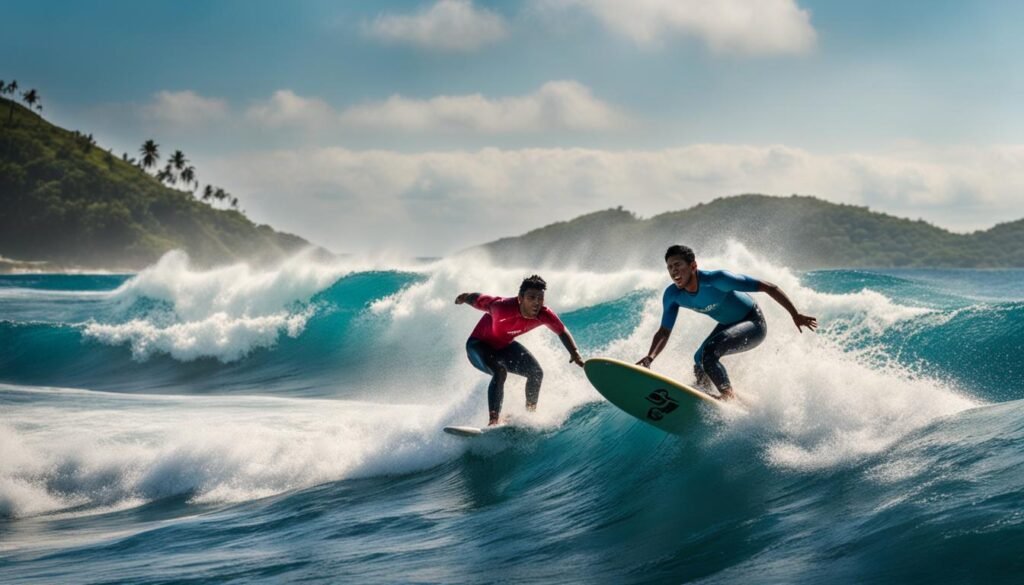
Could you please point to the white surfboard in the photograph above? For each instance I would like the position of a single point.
(657, 400)
(464, 431)
(470, 431)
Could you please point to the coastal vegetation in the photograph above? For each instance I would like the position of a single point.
(69, 203)
(801, 231)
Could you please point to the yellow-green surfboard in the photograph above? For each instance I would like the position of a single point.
(655, 399)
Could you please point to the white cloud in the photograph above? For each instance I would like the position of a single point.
(285, 108)
(437, 202)
(744, 27)
(184, 108)
(556, 105)
(449, 25)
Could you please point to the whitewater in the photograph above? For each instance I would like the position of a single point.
(282, 423)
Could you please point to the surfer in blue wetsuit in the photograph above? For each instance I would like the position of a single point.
(722, 296)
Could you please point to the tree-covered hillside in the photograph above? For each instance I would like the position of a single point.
(803, 232)
(70, 203)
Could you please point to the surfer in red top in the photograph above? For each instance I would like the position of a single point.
(491, 347)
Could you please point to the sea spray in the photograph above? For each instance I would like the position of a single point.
(870, 451)
(817, 400)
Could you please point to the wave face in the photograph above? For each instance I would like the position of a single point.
(276, 424)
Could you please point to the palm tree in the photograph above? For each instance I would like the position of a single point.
(220, 194)
(150, 153)
(31, 97)
(178, 160)
(188, 176)
(207, 193)
(10, 89)
(166, 175)
(234, 202)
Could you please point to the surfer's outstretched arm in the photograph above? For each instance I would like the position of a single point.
(478, 301)
(467, 298)
(657, 344)
(780, 297)
(570, 344)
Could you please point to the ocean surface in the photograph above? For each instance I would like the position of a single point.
(284, 424)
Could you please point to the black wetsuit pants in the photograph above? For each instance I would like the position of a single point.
(498, 363)
(745, 334)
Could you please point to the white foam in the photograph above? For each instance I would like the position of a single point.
(101, 450)
(426, 328)
(224, 312)
(39, 294)
(567, 289)
(819, 401)
(236, 290)
(322, 440)
(816, 403)
(219, 335)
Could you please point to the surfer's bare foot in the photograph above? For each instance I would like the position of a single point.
(531, 407)
(726, 395)
(494, 419)
(701, 380)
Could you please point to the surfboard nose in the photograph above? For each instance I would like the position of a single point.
(655, 399)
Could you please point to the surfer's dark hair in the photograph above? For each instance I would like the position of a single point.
(534, 282)
(685, 251)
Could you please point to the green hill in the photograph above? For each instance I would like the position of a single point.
(802, 232)
(69, 203)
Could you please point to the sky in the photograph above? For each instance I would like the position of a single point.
(422, 127)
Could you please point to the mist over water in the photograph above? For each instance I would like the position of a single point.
(238, 415)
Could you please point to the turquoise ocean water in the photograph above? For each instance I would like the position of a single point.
(283, 425)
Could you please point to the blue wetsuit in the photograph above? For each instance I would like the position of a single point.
(722, 296)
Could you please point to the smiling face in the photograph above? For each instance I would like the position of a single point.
(531, 301)
(681, 272)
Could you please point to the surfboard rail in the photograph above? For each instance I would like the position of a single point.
(656, 399)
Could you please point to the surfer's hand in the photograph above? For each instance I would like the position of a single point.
(461, 298)
(645, 361)
(805, 321)
(576, 359)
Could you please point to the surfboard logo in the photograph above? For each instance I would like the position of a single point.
(663, 404)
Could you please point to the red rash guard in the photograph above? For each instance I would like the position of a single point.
(503, 321)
